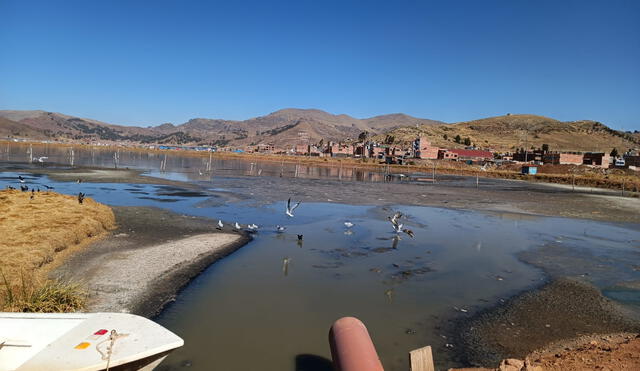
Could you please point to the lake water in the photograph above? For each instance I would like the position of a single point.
(269, 305)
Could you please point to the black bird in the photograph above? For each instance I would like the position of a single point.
(80, 197)
(20, 177)
(299, 237)
(48, 187)
(79, 180)
(24, 188)
(38, 189)
(31, 197)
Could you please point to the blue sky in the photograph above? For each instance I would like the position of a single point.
(145, 63)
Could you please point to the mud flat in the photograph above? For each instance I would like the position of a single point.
(558, 313)
(147, 259)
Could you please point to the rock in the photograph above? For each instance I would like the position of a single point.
(511, 364)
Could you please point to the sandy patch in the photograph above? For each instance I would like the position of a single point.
(119, 280)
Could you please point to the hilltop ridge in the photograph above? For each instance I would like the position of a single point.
(290, 126)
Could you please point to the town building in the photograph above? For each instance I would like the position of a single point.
(422, 148)
(341, 150)
(563, 158)
(598, 159)
(472, 154)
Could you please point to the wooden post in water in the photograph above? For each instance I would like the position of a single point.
(421, 359)
(433, 176)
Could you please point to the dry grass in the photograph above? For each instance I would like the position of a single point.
(37, 234)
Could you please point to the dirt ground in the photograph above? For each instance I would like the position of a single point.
(595, 352)
(558, 312)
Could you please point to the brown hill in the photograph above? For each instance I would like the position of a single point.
(280, 127)
(507, 133)
(10, 128)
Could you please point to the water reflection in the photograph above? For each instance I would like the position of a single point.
(177, 165)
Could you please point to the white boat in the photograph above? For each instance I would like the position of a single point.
(82, 341)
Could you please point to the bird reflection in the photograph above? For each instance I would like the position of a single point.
(479, 245)
(285, 266)
(394, 244)
(389, 295)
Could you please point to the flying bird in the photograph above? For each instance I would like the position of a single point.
(397, 226)
(348, 224)
(290, 209)
(80, 197)
(280, 229)
(409, 232)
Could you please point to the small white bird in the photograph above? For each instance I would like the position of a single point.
(41, 159)
(237, 226)
(290, 209)
(348, 224)
(397, 226)
(280, 229)
(252, 227)
(220, 225)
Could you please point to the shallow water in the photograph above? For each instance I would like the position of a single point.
(269, 305)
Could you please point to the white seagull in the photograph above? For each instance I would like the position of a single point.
(290, 209)
(253, 227)
(397, 226)
(348, 224)
(220, 225)
(237, 226)
(280, 229)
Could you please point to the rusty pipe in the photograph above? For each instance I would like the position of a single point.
(351, 346)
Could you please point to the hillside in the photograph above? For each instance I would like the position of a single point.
(292, 126)
(280, 127)
(506, 133)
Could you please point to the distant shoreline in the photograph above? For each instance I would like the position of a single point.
(628, 183)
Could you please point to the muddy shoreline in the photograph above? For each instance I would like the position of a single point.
(557, 312)
(148, 259)
(451, 191)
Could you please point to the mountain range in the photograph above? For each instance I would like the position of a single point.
(279, 128)
(291, 126)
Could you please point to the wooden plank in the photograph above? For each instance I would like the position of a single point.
(421, 359)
